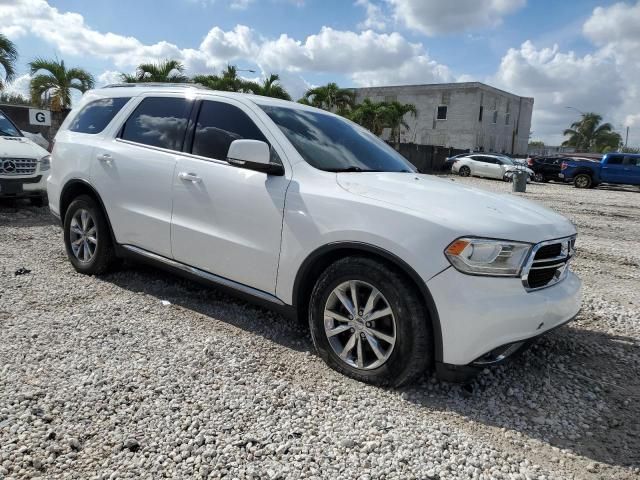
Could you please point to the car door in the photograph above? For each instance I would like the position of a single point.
(135, 168)
(613, 170)
(477, 165)
(227, 220)
(493, 168)
(552, 168)
(631, 169)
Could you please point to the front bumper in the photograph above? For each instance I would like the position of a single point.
(23, 186)
(479, 314)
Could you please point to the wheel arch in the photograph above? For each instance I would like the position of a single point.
(73, 189)
(323, 256)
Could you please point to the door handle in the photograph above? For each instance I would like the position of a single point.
(189, 177)
(105, 157)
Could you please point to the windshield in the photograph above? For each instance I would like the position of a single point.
(7, 128)
(334, 144)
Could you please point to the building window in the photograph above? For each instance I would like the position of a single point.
(495, 116)
(442, 113)
(480, 114)
(507, 118)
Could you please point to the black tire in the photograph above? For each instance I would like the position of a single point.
(412, 353)
(538, 177)
(104, 257)
(37, 201)
(464, 171)
(583, 180)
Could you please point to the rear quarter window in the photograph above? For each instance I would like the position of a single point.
(95, 116)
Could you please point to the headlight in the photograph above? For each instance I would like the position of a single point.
(45, 163)
(480, 256)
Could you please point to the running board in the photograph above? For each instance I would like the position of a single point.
(209, 277)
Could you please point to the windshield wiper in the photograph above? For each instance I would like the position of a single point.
(353, 168)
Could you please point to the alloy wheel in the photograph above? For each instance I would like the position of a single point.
(83, 235)
(360, 325)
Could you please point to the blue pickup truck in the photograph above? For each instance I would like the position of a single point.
(617, 168)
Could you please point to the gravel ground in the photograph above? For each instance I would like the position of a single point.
(139, 374)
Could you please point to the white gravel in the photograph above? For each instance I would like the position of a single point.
(143, 375)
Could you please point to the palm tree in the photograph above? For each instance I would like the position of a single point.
(589, 134)
(331, 97)
(270, 87)
(165, 71)
(227, 82)
(53, 86)
(371, 115)
(395, 113)
(8, 57)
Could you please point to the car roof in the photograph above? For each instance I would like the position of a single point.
(135, 89)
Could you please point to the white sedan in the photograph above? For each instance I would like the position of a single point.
(489, 166)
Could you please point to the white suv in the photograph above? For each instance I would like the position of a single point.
(23, 165)
(300, 209)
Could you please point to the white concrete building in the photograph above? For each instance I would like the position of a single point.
(467, 116)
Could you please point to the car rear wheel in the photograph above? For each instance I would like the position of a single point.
(538, 177)
(583, 180)
(367, 321)
(87, 237)
(464, 171)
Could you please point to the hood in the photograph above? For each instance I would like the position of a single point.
(465, 210)
(20, 147)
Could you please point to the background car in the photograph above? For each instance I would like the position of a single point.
(546, 168)
(488, 166)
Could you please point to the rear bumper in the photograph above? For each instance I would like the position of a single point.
(481, 314)
(23, 187)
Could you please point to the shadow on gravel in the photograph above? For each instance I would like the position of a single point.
(213, 303)
(575, 389)
(20, 214)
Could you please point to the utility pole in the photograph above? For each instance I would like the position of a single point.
(626, 139)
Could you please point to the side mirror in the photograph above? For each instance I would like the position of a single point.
(253, 155)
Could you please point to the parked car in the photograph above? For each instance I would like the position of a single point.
(304, 211)
(486, 165)
(448, 163)
(614, 168)
(546, 168)
(23, 165)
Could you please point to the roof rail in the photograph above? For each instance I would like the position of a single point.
(155, 84)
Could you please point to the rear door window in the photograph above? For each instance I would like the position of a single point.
(614, 160)
(159, 122)
(95, 116)
(218, 125)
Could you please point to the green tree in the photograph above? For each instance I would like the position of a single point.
(165, 71)
(228, 81)
(8, 57)
(395, 118)
(589, 134)
(331, 97)
(536, 144)
(52, 82)
(270, 87)
(13, 99)
(371, 115)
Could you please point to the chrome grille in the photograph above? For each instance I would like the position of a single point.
(548, 263)
(18, 166)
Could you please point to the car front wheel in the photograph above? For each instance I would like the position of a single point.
(368, 322)
(87, 237)
(582, 180)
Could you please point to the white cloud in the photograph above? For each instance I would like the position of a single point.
(19, 86)
(433, 17)
(108, 77)
(375, 18)
(558, 80)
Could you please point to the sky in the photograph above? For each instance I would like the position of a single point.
(581, 54)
